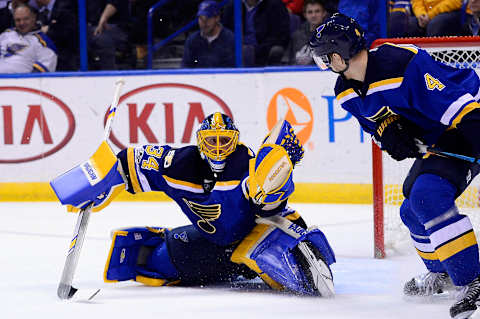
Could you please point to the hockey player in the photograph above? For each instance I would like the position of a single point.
(401, 96)
(222, 189)
(25, 48)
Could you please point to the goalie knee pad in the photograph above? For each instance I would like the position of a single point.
(140, 254)
(278, 260)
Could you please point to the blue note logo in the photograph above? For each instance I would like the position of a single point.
(182, 236)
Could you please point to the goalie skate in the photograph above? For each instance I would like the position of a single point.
(428, 284)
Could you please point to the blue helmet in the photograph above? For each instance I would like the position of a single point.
(338, 34)
(217, 138)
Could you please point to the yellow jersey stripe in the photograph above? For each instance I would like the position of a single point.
(467, 109)
(406, 47)
(39, 67)
(182, 184)
(345, 93)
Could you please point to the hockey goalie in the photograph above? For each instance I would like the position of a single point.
(241, 225)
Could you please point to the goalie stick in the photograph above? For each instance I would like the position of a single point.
(319, 271)
(65, 289)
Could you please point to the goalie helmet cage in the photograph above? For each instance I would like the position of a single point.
(390, 235)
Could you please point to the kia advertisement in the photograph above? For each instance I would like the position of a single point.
(49, 125)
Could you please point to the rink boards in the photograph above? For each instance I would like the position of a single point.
(48, 124)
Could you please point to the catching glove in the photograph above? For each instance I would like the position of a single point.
(397, 137)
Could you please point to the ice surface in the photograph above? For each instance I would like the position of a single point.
(34, 238)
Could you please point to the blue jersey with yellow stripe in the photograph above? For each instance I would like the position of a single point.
(216, 205)
(405, 80)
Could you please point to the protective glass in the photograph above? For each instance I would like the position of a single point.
(217, 144)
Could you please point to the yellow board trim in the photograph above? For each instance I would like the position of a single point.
(132, 171)
(304, 193)
(467, 109)
(448, 250)
(239, 255)
(115, 234)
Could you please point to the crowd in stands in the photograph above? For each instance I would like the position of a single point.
(275, 32)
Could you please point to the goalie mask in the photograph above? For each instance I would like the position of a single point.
(338, 34)
(217, 138)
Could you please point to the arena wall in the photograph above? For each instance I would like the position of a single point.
(48, 124)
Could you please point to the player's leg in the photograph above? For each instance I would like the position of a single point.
(436, 280)
(157, 257)
(431, 188)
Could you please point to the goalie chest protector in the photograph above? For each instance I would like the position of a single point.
(215, 205)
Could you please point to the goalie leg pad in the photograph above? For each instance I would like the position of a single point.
(273, 255)
(140, 254)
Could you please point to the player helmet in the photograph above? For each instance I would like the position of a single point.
(338, 34)
(217, 138)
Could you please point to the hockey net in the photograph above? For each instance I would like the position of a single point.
(390, 235)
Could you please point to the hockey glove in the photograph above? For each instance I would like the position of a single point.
(396, 136)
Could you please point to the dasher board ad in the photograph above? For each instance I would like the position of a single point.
(51, 124)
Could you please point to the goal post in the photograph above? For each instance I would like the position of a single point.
(390, 235)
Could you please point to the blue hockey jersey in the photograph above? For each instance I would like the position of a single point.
(405, 80)
(216, 205)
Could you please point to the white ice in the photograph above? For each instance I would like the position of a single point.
(34, 238)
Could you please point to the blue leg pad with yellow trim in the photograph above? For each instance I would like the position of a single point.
(139, 253)
(271, 253)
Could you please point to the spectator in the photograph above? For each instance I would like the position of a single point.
(166, 20)
(213, 45)
(294, 8)
(315, 13)
(400, 22)
(6, 14)
(266, 31)
(437, 17)
(107, 30)
(25, 48)
(472, 25)
(59, 22)
(366, 13)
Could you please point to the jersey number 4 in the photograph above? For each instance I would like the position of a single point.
(433, 83)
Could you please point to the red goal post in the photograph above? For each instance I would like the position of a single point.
(461, 52)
